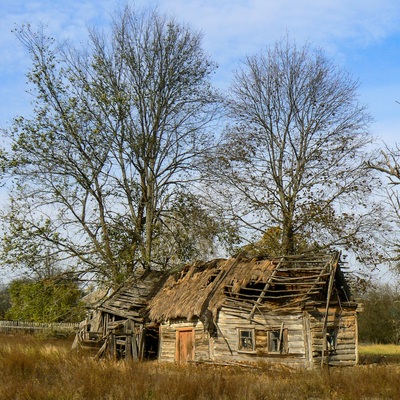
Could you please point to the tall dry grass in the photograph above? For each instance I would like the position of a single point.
(36, 369)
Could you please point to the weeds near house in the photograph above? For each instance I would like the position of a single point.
(32, 368)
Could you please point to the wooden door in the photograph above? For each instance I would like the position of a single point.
(184, 346)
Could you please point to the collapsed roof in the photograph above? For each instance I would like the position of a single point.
(130, 300)
(250, 285)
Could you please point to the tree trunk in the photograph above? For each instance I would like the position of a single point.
(288, 247)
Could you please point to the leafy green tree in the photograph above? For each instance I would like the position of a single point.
(270, 245)
(118, 132)
(45, 300)
(294, 157)
(194, 232)
(379, 322)
(23, 247)
(4, 300)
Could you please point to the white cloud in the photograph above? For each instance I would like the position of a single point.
(65, 20)
(245, 26)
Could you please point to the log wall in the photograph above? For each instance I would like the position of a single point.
(344, 321)
(167, 348)
(303, 334)
(225, 346)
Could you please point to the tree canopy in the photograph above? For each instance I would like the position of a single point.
(270, 245)
(124, 164)
(45, 300)
(109, 158)
(387, 162)
(380, 320)
(294, 156)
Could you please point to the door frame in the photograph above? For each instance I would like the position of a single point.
(177, 344)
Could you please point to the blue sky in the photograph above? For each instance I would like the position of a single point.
(362, 36)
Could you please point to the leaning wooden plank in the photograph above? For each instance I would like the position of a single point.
(102, 350)
(113, 347)
(134, 349)
(128, 347)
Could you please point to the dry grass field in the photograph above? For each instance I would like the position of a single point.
(32, 368)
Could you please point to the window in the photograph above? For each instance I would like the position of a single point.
(331, 338)
(264, 341)
(277, 341)
(246, 340)
(274, 342)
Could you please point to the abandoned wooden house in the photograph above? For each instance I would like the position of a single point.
(116, 326)
(294, 310)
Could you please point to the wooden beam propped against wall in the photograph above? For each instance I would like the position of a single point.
(333, 265)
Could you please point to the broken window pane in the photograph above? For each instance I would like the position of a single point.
(246, 339)
(331, 335)
(274, 342)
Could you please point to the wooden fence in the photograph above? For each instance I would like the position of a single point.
(36, 327)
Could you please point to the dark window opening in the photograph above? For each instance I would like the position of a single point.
(274, 342)
(250, 292)
(277, 341)
(277, 292)
(211, 278)
(253, 289)
(151, 341)
(331, 339)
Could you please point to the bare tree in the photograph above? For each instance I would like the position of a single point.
(113, 146)
(294, 159)
(387, 162)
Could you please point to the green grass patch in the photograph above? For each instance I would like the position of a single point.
(379, 354)
(380, 349)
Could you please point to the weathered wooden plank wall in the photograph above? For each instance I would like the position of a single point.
(168, 340)
(345, 323)
(229, 323)
(224, 347)
(303, 335)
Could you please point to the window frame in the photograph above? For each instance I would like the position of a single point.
(281, 346)
(273, 335)
(274, 342)
(331, 333)
(252, 336)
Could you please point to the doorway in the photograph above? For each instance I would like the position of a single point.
(184, 346)
(151, 341)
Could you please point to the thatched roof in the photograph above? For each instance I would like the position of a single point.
(247, 284)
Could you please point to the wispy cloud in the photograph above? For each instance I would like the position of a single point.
(254, 23)
(64, 20)
(232, 28)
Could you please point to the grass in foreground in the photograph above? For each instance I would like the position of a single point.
(35, 369)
